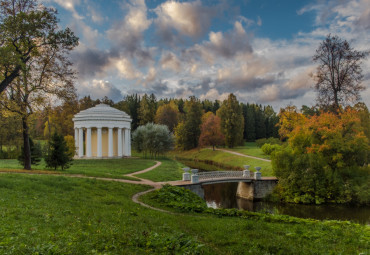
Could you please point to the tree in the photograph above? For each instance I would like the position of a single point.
(289, 118)
(153, 139)
(180, 136)
(36, 153)
(147, 110)
(193, 109)
(326, 160)
(211, 132)
(339, 74)
(38, 51)
(168, 114)
(232, 121)
(26, 30)
(249, 123)
(59, 154)
(260, 122)
(131, 105)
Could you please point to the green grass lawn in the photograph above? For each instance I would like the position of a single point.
(226, 158)
(111, 168)
(169, 170)
(251, 149)
(61, 215)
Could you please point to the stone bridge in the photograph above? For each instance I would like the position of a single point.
(252, 185)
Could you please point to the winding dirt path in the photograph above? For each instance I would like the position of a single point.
(135, 197)
(243, 155)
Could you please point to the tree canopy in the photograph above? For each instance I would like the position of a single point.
(326, 160)
(28, 30)
(232, 121)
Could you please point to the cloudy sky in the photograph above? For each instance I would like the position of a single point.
(260, 50)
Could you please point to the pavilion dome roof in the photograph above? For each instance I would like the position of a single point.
(102, 112)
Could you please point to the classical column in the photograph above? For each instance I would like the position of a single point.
(81, 143)
(129, 143)
(99, 147)
(124, 142)
(88, 142)
(127, 138)
(110, 142)
(76, 141)
(119, 142)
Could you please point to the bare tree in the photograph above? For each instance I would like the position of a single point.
(339, 74)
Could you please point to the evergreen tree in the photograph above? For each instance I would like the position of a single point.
(232, 121)
(36, 153)
(216, 106)
(59, 154)
(192, 122)
(260, 123)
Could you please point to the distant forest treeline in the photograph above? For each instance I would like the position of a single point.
(259, 121)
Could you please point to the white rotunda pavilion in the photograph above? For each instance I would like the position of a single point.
(102, 131)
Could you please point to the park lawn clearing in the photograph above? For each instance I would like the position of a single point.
(227, 159)
(61, 215)
(169, 170)
(250, 149)
(107, 168)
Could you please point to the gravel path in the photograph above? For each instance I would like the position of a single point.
(243, 155)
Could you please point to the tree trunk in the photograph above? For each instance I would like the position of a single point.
(26, 145)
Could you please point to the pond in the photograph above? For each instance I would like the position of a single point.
(223, 195)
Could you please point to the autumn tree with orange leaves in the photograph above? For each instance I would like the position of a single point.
(326, 160)
(211, 134)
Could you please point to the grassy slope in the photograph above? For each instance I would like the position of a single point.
(111, 168)
(250, 149)
(227, 158)
(169, 170)
(59, 215)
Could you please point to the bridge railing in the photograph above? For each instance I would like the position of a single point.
(202, 176)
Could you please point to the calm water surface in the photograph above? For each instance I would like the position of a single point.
(223, 196)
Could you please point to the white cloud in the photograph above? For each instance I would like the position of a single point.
(126, 69)
(98, 89)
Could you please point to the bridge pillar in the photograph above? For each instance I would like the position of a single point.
(255, 190)
(245, 190)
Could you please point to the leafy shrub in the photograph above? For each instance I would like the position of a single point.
(270, 140)
(9, 154)
(268, 149)
(179, 198)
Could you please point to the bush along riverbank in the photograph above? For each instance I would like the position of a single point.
(301, 236)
